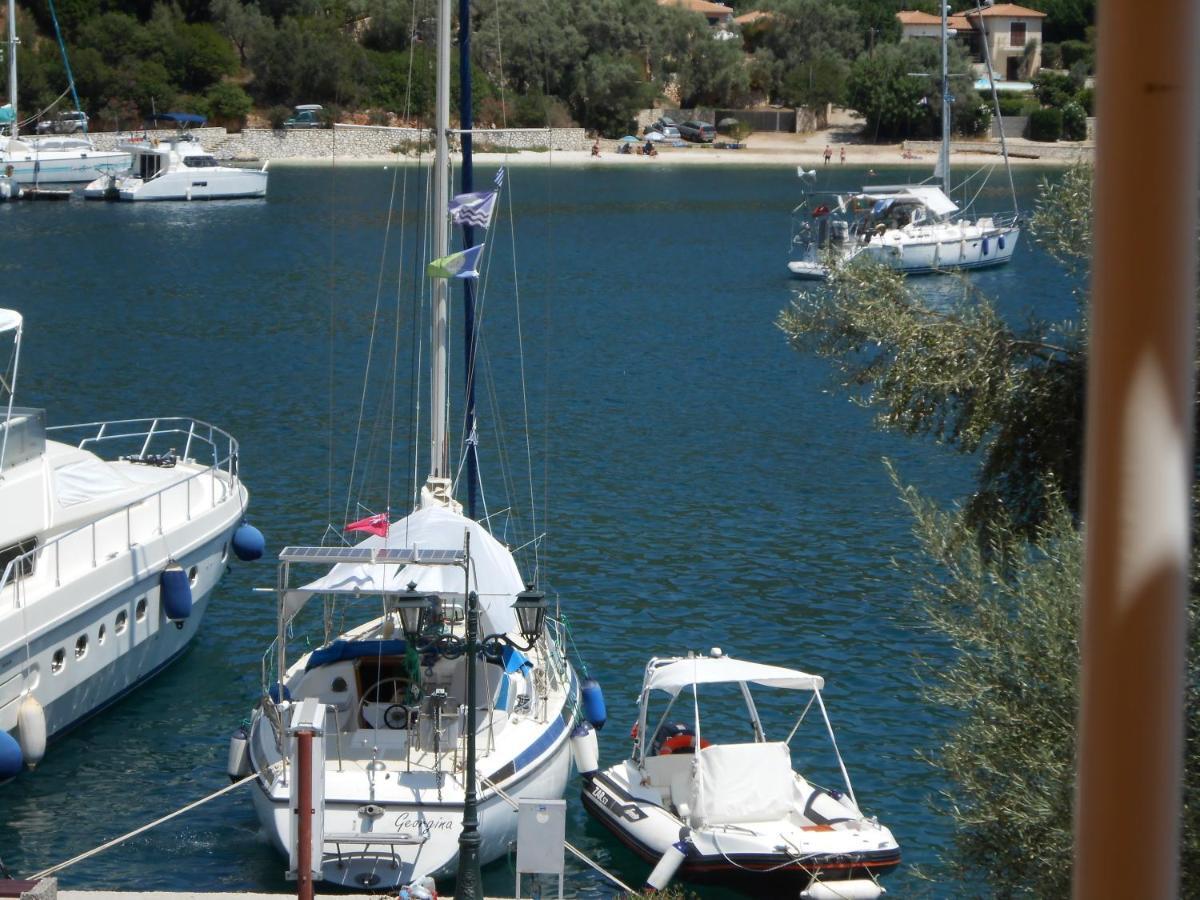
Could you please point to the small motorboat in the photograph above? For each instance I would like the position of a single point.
(735, 811)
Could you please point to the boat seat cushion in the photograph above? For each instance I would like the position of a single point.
(743, 783)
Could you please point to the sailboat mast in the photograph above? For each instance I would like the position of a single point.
(439, 453)
(944, 153)
(12, 64)
(466, 123)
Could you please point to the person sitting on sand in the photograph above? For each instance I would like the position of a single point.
(596, 148)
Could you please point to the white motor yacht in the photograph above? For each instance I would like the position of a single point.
(112, 537)
(176, 168)
(709, 798)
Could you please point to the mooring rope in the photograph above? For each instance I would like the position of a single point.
(120, 840)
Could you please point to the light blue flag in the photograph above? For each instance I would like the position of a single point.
(456, 265)
(473, 209)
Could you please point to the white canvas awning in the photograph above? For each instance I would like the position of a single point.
(933, 198)
(10, 320)
(674, 677)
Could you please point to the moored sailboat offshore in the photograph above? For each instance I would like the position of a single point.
(913, 228)
(46, 160)
(454, 698)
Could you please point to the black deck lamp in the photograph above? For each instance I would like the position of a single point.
(530, 607)
(414, 610)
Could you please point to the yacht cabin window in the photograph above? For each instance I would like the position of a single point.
(13, 551)
(200, 162)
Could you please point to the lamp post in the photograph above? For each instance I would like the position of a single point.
(530, 607)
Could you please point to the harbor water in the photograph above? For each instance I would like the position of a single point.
(700, 483)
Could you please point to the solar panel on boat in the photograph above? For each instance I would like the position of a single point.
(427, 555)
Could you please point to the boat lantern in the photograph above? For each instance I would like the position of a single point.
(248, 543)
(594, 709)
(414, 610)
(11, 759)
(176, 593)
(531, 613)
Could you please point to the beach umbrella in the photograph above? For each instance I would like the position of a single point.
(629, 139)
(654, 135)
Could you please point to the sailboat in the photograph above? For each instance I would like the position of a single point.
(46, 160)
(912, 228)
(406, 699)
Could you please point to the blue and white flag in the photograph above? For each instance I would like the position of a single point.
(499, 177)
(456, 265)
(473, 209)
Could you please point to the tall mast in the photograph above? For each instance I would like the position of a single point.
(12, 64)
(466, 121)
(944, 154)
(438, 482)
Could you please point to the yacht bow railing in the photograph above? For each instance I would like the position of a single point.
(145, 437)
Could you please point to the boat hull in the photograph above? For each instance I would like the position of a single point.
(923, 257)
(199, 184)
(62, 167)
(649, 830)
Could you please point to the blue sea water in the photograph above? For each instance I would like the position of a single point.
(699, 482)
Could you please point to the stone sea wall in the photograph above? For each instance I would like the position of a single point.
(350, 141)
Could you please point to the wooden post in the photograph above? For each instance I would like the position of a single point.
(304, 809)
(1137, 487)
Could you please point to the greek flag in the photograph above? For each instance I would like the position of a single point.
(456, 265)
(473, 209)
(499, 177)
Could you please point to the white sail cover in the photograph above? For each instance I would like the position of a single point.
(494, 574)
(674, 677)
(934, 199)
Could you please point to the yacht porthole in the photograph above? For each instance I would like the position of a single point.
(58, 661)
(122, 621)
(192, 573)
(81, 647)
(338, 685)
(100, 635)
(139, 612)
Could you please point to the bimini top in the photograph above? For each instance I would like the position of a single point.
(10, 320)
(180, 118)
(675, 675)
(933, 198)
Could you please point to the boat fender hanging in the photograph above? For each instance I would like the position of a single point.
(668, 865)
(852, 889)
(1000, 242)
(238, 764)
(585, 748)
(248, 543)
(985, 246)
(277, 695)
(593, 703)
(176, 593)
(31, 730)
(11, 759)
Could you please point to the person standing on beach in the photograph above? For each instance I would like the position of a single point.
(843, 156)
(828, 154)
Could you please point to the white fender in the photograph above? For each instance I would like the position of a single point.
(667, 866)
(855, 889)
(31, 730)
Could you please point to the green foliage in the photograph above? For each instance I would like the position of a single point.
(1053, 88)
(310, 61)
(1074, 52)
(714, 74)
(1051, 55)
(1065, 19)
(277, 115)
(810, 44)
(1045, 124)
(1015, 103)
(1074, 122)
(822, 80)
(227, 102)
(243, 23)
(1086, 98)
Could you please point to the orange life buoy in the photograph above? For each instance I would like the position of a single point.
(681, 743)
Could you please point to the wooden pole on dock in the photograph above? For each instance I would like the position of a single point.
(1138, 478)
(304, 809)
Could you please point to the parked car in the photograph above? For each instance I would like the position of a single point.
(696, 131)
(308, 115)
(66, 122)
(662, 123)
(668, 132)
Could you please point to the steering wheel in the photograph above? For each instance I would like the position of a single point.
(375, 694)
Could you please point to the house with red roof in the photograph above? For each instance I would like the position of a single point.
(1013, 35)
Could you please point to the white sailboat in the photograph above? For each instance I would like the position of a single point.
(912, 228)
(403, 699)
(38, 160)
(111, 542)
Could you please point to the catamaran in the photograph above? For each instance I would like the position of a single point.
(912, 228)
(455, 659)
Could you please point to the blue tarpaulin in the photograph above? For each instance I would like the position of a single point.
(180, 118)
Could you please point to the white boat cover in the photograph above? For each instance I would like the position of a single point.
(743, 783)
(933, 198)
(494, 574)
(10, 320)
(675, 676)
(86, 479)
